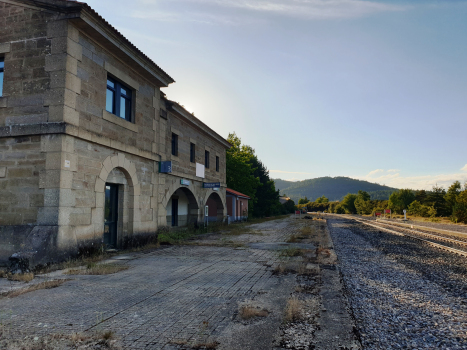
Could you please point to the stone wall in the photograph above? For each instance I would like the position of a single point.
(59, 146)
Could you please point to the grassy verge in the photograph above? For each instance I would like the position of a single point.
(34, 287)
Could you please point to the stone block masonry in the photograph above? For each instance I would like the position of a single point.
(61, 150)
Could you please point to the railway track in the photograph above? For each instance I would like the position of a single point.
(426, 237)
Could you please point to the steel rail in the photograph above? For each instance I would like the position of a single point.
(437, 245)
(440, 238)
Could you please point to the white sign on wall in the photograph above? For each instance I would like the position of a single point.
(200, 170)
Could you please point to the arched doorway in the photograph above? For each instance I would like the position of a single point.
(117, 201)
(215, 208)
(182, 208)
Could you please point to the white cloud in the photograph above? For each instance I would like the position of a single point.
(425, 182)
(464, 168)
(311, 9)
(374, 172)
(303, 9)
(393, 170)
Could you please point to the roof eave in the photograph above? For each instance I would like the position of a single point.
(98, 25)
(195, 121)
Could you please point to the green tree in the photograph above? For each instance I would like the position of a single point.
(459, 211)
(288, 207)
(400, 200)
(435, 198)
(451, 195)
(348, 203)
(303, 200)
(421, 196)
(268, 203)
(240, 173)
(362, 203)
(322, 199)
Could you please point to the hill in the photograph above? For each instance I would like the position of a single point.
(334, 188)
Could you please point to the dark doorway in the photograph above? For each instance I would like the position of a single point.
(174, 211)
(111, 215)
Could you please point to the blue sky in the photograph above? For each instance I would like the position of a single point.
(375, 90)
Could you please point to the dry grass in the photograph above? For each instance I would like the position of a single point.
(208, 346)
(98, 269)
(307, 230)
(34, 287)
(20, 277)
(279, 269)
(293, 310)
(294, 239)
(188, 345)
(323, 251)
(291, 252)
(247, 312)
(92, 341)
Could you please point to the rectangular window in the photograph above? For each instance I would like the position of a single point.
(217, 163)
(206, 159)
(2, 65)
(192, 152)
(163, 113)
(118, 99)
(174, 144)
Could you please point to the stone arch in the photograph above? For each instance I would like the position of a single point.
(220, 201)
(193, 202)
(128, 168)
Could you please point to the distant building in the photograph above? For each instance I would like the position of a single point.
(237, 205)
(284, 199)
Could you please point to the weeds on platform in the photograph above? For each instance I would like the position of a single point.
(293, 310)
(43, 285)
(247, 312)
(96, 340)
(291, 252)
(20, 277)
(98, 269)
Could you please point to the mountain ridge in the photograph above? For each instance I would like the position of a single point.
(334, 188)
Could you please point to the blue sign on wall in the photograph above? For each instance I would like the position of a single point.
(165, 167)
(211, 184)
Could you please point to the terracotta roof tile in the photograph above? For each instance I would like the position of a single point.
(236, 193)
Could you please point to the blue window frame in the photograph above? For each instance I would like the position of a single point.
(119, 98)
(2, 66)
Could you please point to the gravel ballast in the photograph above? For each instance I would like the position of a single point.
(403, 294)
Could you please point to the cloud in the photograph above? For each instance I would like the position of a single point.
(210, 11)
(425, 182)
(311, 9)
(393, 170)
(464, 168)
(374, 172)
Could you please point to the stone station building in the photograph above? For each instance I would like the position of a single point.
(85, 132)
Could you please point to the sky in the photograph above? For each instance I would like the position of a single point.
(369, 89)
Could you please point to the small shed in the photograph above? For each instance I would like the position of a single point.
(237, 205)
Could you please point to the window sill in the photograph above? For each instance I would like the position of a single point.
(193, 165)
(172, 157)
(119, 121)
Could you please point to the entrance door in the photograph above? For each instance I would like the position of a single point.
(111, 215)
(174, 211)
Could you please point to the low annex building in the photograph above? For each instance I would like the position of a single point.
(91, 150)
(237, 205)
